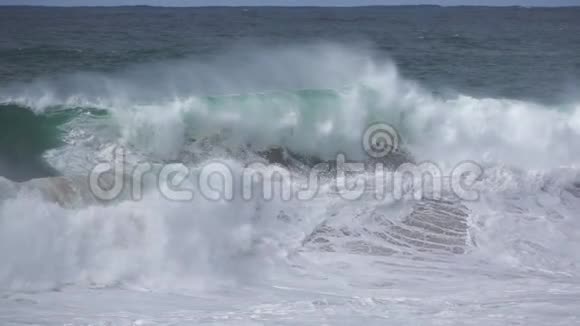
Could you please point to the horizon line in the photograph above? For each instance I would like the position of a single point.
(287, 6)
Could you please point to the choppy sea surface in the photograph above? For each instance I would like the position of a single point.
(289, 88)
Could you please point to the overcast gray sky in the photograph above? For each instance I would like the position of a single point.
(289, 2)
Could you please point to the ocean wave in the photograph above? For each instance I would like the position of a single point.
(314, 100)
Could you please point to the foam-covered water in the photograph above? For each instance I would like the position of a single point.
(508, 257)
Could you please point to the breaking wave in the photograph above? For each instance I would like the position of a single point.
(315, 101)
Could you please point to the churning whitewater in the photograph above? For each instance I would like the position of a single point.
(510, 256)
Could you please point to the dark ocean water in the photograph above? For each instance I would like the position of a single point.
(502, 52)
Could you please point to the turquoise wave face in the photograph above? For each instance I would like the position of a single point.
(291, 119)
(25, 136)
